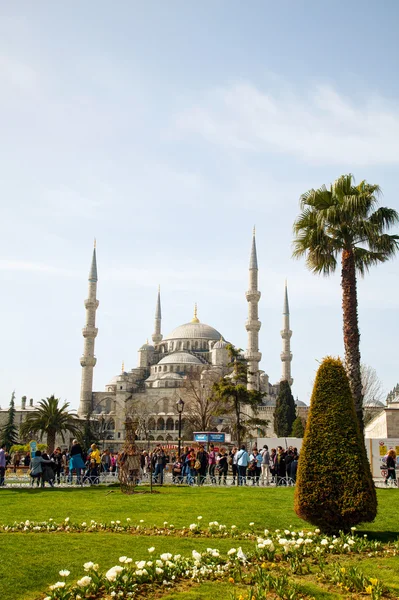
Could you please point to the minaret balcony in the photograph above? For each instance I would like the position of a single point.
(252, 296)
(88, 361)
(89, 332)
(286, 356)
(253, 355)
(253, 325)
(91, 303)
(286, 334)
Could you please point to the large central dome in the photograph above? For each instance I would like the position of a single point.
(194, 331)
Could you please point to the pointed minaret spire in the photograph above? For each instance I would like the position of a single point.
(286, 333)
(157, 335)
(253, 324)
(88, 360)
(253, 261)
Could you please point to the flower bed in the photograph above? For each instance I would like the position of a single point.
(279, 562)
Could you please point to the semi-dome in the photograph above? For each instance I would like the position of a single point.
(180, 358)
(194, 331)
(171, 376)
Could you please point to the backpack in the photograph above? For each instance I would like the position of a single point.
(197, 465)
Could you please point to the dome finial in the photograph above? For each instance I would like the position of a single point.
(123, 366)
(195, 319)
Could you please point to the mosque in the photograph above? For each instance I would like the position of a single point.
(191, 352)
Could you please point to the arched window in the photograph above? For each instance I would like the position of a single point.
(160, 438)
(160, 424)
(151, 437)
(111, 425)
(169, 438)
(177, 424)
(169, 424)
(151, 423)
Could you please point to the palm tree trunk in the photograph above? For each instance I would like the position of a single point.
(50, 441)
(351, 332)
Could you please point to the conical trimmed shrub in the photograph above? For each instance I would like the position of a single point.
(334, 488)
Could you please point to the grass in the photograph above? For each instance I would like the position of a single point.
(30, 562)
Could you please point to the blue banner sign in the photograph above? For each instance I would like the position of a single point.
(206, 436)
(32, 448)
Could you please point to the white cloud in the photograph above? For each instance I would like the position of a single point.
(319, 127)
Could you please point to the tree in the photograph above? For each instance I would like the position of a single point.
(343, 220)
(285, 412)
(373, 392)
(233, 397)
(9, 433)
(201, 406)
(50, 419)
(88, 432)
(334, 488)
(298, 429)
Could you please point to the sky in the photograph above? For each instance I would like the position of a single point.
(167, 130)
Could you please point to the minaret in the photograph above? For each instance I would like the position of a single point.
(253, 324)
(88, 360)
(157, 335)
(286, 333)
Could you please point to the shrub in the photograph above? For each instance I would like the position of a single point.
(284, 414)
(335, 489)
(298, 429)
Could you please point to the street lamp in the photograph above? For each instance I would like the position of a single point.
(180, 407)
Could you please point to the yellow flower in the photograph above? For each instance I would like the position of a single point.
(373, 581)
(263, 565)
(231, 580)
(343, 570)
(369, 589)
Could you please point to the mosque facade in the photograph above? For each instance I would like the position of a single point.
(193, 352)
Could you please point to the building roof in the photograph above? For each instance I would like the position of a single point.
(180, 358)
(194, 331)
(374, 403)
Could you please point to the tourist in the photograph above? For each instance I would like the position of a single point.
(222, 467)
(201, 464)
(258, 465)
(177, 469)
(37, 464)
(160, 463)
(114, 463)
(47, 470)
(391, 466)
(280, 466)
(273, 454)
(95, 453)
(27, 459)
(91, 474)
(242, 463)
(190, 464)
(2, 464)
(212, 463)
(16, 459)
(233, 462)
(106, 461)
(76, 462)
(56, 457)
(265, 466)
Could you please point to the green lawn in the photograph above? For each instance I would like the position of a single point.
(30, 562)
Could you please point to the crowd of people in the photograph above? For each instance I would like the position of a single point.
(194, 465)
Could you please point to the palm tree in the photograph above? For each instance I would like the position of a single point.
(344, 220)
(50, 419)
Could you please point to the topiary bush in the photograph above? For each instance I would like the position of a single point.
(334, 488)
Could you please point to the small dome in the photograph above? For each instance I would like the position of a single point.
(194, 331)
(180, 358)
(220, 344)
(301, 404)
(374, 403)
(146, 346)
